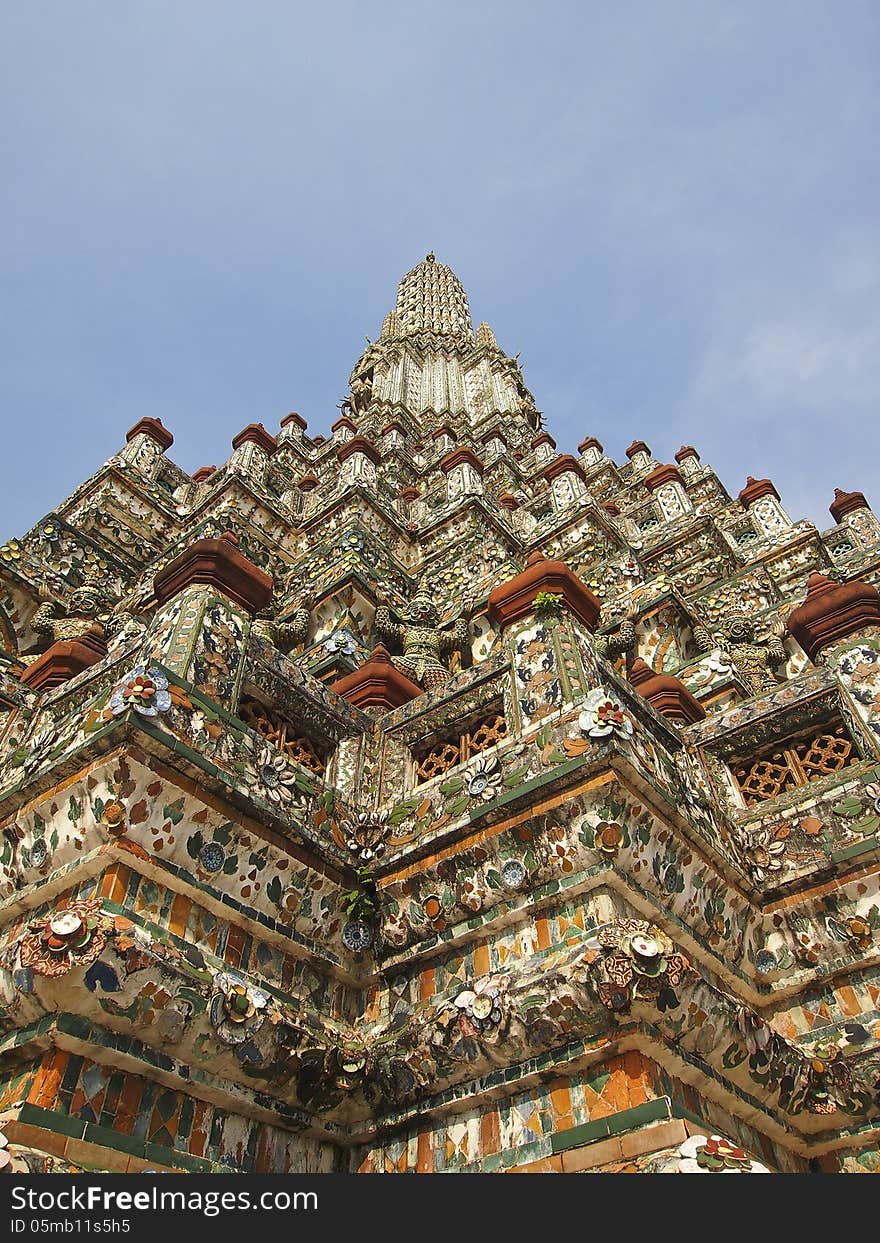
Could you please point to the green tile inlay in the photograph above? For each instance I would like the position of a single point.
(614, 1124)
(108, 1138)
(561, 770)
(49, 1120)
(857, 848)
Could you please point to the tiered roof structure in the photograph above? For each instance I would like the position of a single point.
(418, 798)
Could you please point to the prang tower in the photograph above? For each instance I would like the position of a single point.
(418, 798)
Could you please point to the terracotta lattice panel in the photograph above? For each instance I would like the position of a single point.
(782, 768)
(282, 734)
(452, 749)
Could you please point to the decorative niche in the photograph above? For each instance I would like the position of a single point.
(284, 734)
(456, 744)
(817, 752)
(779, 757)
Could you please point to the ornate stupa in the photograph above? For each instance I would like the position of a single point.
(418, 798)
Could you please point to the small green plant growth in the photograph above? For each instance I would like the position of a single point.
(361, 902)
(548, 605)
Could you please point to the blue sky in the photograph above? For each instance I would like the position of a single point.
(668, 207)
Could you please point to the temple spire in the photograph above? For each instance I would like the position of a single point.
(431, 298)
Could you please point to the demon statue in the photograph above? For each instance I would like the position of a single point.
(422, 640)
(753, 659)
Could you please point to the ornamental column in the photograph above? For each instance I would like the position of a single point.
(640, 456)
(591, 451)
(546, 615)
(251, 450)
(145, 446)
(688, 461)
(207, 596)
(464, 474)
(838, 625)
(566, 478)
(358, 458)
(495, 445)
(760, 498)
(544, 448)
(850, 509)
(667, 487)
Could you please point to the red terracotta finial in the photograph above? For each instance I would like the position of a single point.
(378, 683)
(216, 563)
(64, 660)
(845, 503)
(463, 456)
(755, 489)
(515, 599)
(203, 473)
(640, 672)
(833, 611)
(666, 694)
(564, 464)
(359, 444)
(508, 501)
(255, 434)
(660, 475)
(296, 419)
(154, 429)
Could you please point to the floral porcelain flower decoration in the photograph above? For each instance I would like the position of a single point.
(714, 1154)
(237, 1009)
(608, 837)
(11, 551)
(639, 961)
(484, 780)
(73, 936)
(114, 817)
(480, 1008)
(274, 777)
(764, 853)
(144, 690)
(40, 746)
(342, 642)
(601, 716)
(859, 932)
(366, 834)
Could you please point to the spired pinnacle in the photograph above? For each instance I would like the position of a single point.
(431, 298)
(429, 363)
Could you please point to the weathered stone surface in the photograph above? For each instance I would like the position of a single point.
(369, 853)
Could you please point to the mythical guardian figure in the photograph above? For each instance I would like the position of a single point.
(87, 611)
(609, 646)
(422, 640)
(283, 635)
(753, 659)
